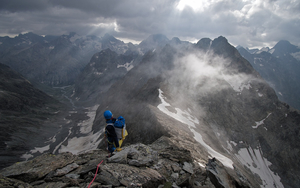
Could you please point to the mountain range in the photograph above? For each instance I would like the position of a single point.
(280, 67)
(208, 98)
(55, 61)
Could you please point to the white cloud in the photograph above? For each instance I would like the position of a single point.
(194, 4)
(204, 74)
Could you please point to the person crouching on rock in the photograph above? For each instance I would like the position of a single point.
(110, 133)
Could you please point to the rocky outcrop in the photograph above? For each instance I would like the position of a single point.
(160, 164)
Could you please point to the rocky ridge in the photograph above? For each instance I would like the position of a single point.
(160, 164)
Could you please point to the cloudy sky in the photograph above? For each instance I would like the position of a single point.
(250, 23)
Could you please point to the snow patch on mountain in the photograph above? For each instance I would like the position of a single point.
(272, 51)
(86, 125)
(81, 144)
(41, 149)
(58, 146)
(260, 95)
(182, 116)
(26, 156)
(258, 123)
(186, 118)
(29, 155)
(258, 60)
(84, 143)
(97, 73)
(254, 160)
(127, 66)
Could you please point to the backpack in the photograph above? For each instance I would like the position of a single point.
(120, 127)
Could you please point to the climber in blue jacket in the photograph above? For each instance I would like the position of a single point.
(113, 131)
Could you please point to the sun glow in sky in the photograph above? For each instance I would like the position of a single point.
(196, 5)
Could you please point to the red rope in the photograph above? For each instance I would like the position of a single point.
(95, 174)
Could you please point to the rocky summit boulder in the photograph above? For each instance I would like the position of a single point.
(160, 164)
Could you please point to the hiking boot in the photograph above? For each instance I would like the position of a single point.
(119, 149)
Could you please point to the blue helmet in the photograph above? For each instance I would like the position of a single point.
(107, 114)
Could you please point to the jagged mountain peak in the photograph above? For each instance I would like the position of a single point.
(204, 43)
(29, 35)
(153, 41)
(220, 46)
(157, 38)
(221, 39)
(107, 38)
(285, 46)
(175, 40)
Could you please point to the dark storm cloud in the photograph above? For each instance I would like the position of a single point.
(23, 5)
(249, 22)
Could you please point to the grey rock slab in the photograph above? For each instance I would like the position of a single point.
(52, 185)
(7, 182)
(65, 170)
(131, 176)
(188, 167)
(29, 171)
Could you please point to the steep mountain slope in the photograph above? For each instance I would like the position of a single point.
(280, 66)
(212, 102)
(104, 69)
(25, 112)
